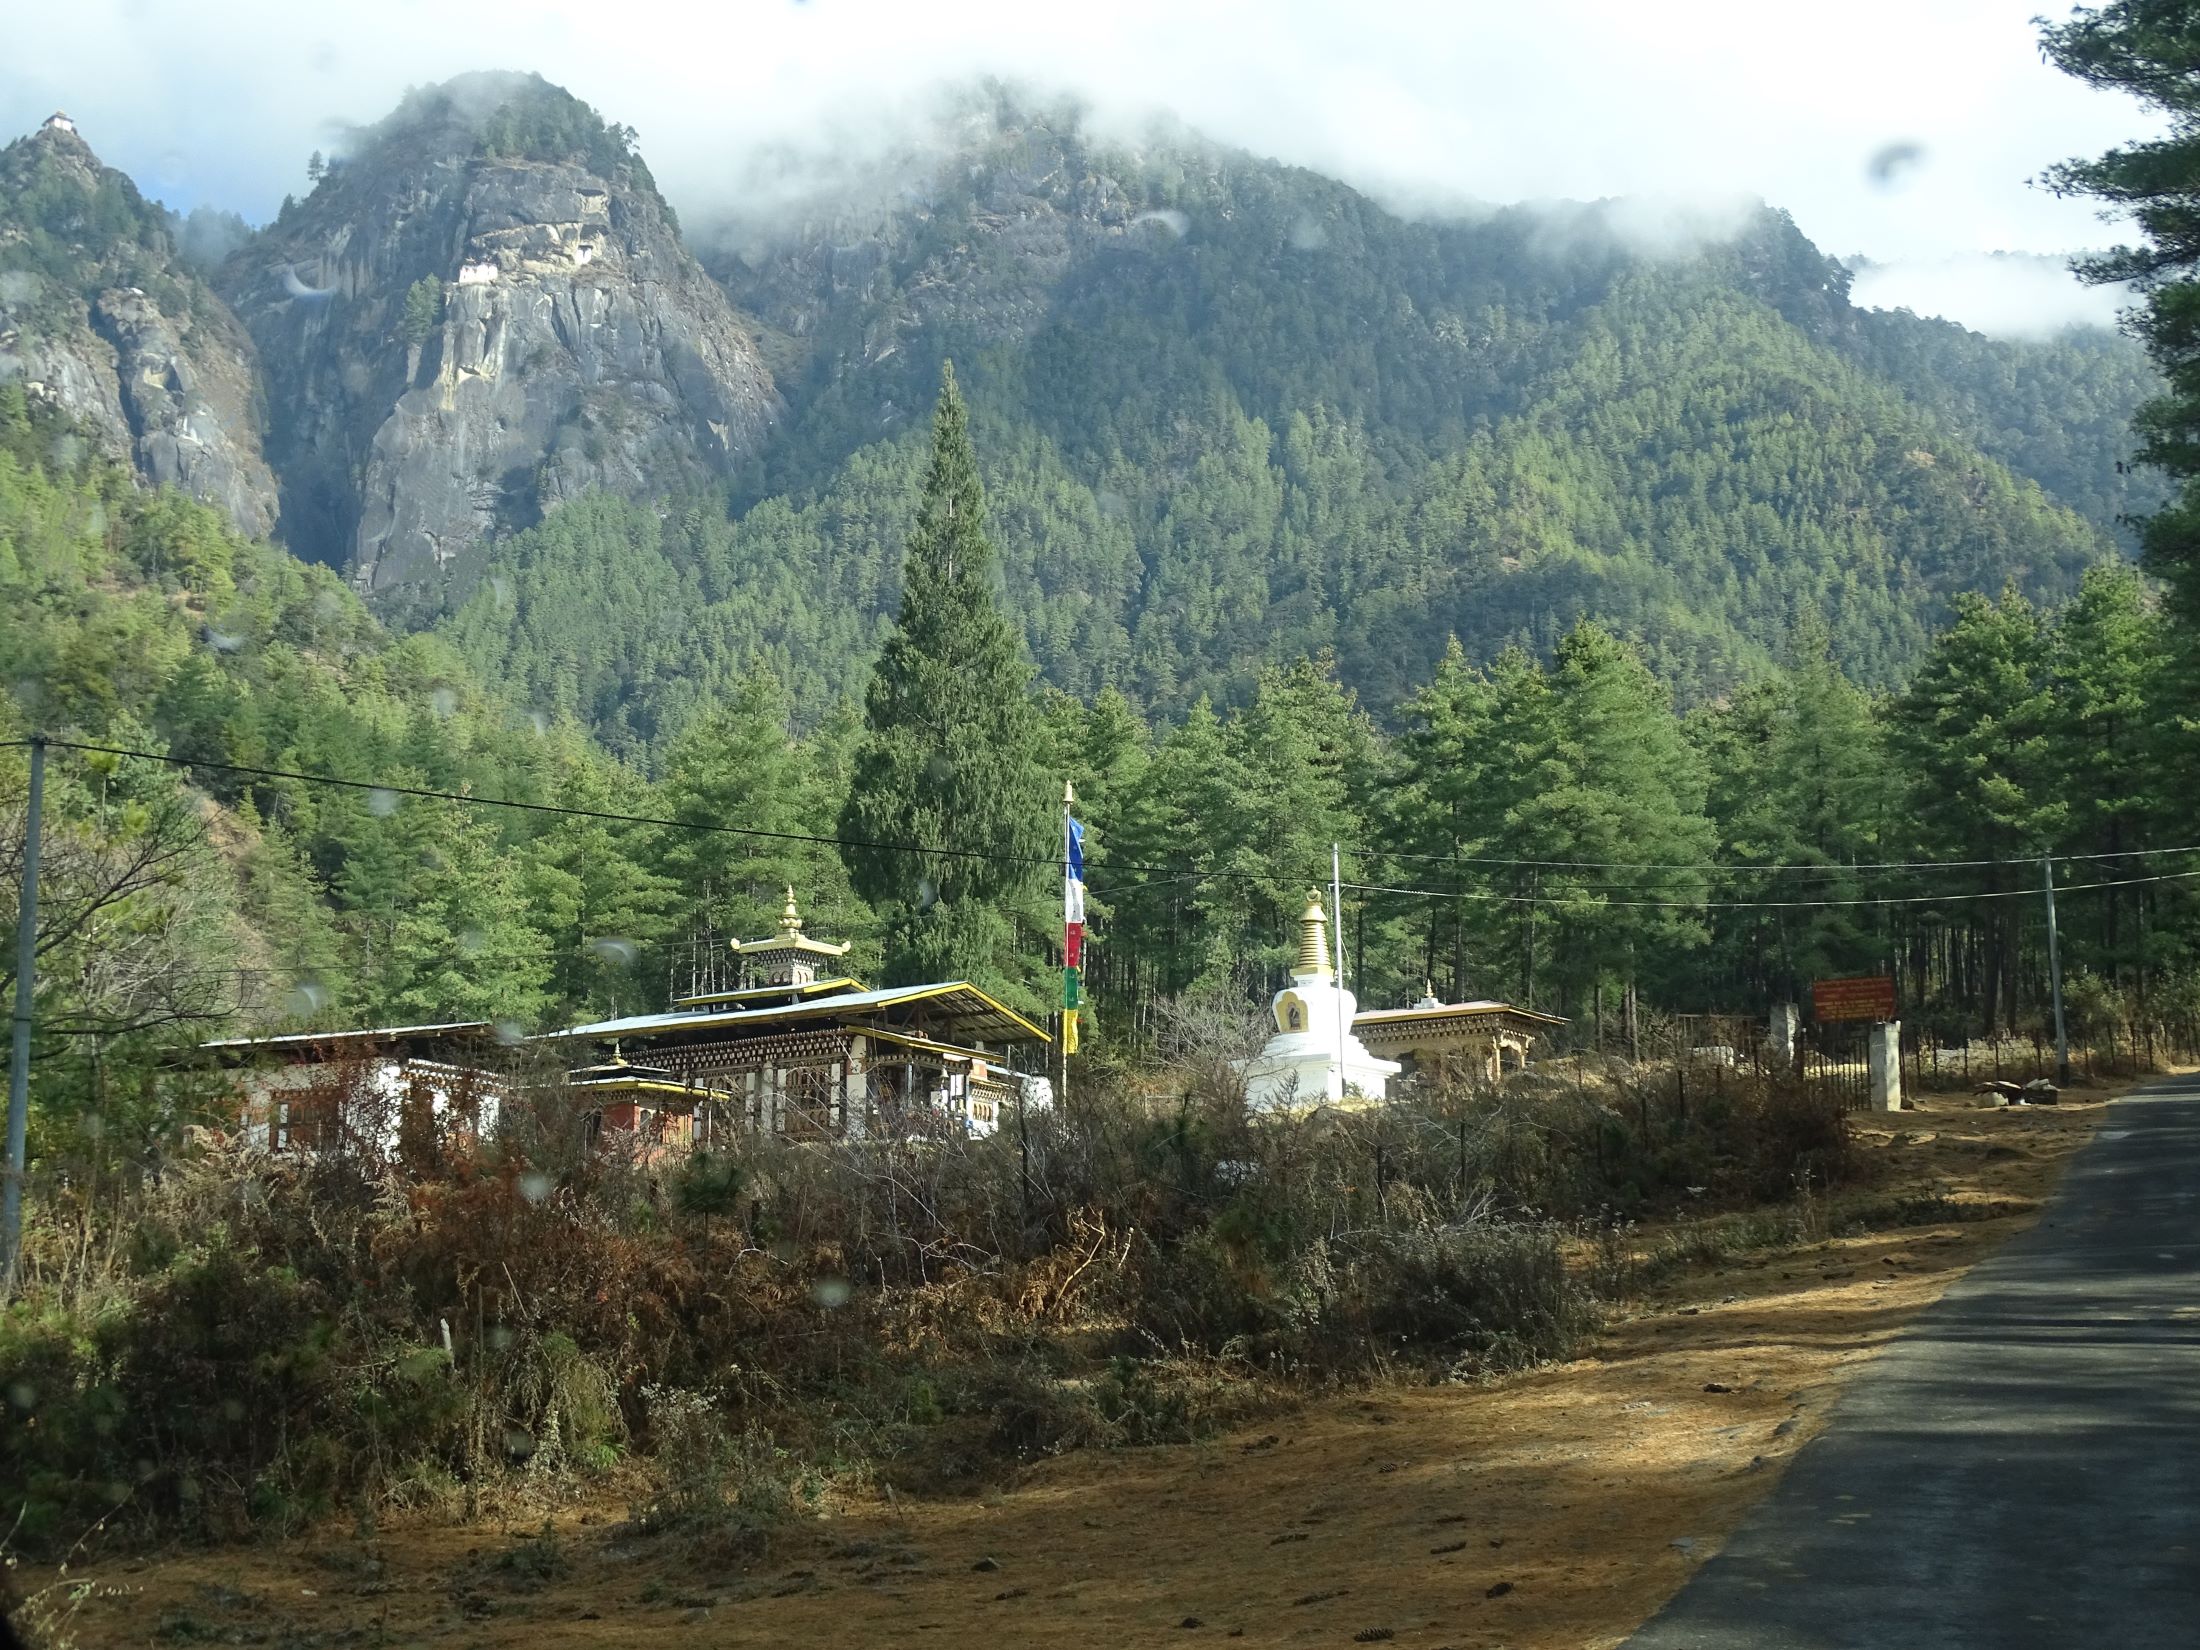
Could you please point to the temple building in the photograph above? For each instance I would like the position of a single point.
(1314, 1057)
(788, 1052)
(816, 1059)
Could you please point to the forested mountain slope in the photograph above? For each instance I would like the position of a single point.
(1229, 413)
(1232, 412)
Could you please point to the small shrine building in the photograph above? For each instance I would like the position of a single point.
(1326, 1050)
(1314, 1056)
(1437, 1040)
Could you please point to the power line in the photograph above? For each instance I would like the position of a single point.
(1164, 872)
(557, 809)
(1166, 875)
(1549, 902)
(1739, 866)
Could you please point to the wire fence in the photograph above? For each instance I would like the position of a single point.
(1710, 1051)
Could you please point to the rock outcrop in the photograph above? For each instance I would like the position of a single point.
(483, 310)
(100, 317)
(964, 244)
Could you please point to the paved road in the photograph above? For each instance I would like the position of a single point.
(2022, 1468)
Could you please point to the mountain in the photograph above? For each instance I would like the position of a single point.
(101, 317)
(484, 308)
(1232, 412)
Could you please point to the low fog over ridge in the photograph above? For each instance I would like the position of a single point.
(1428, 107)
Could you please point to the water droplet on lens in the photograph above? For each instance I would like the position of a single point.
(381, 803)
(1892, 164)
(534, 1185)
(614, 951)
(510, 1032)
(305, 999)
(22, 1395)
(830, 1293)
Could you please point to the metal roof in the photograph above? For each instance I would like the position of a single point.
(970, 1010)
(749, 992)
(370, 1034)
(1400, 1016)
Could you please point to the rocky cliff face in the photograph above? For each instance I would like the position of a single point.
(964, 245)
(485, 310)
(99, 317)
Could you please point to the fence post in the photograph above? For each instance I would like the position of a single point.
(1787, 1040)
(1883, 1061)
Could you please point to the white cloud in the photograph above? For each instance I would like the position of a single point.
(1420, 100)
(2007, 296)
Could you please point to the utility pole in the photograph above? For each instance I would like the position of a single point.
(19, 1053)
(2054, 977)
(1336, 945)
(1073, 949)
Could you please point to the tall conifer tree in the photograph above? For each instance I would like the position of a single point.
(948, 757)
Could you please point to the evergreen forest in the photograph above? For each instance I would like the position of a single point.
(1552, 826)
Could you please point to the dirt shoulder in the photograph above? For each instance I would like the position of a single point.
(1553, 1509)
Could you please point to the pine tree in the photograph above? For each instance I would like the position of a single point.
(593, 891)
(1183, 814)
(2109, 749)
(1603, 776)
(734, 765)
(2146, 48)
(1800, 777)
(1436, 810)
(949, 753)
(1972, 733)
(464, 947)
(1304, 756)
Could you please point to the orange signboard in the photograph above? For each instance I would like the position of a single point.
(1866, 997)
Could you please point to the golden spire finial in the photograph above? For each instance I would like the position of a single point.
(790, 920)
(1313, 935)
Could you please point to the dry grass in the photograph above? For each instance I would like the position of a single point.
(1552, 1508)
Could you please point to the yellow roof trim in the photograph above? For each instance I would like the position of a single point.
(931, 1045)
(648, 1085)
(918, 994)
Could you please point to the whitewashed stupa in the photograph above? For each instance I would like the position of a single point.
(1313, 1057)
